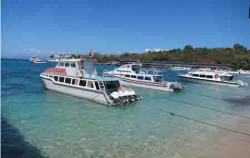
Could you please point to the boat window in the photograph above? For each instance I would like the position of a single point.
(76, 82)
(50, 76)
(73, 64)
(158, 78)
(97, 86)
(127, 76)
(90, 84)
(82, 83)
(133, 76)
(148, 78)
(112, 86)
(56, 78)
(196, 75)
(61, 79)
(209, 76)
(226, 78)
(202, 76)
(68, 80)
(66, 64)
(73, 81)
(140, 77)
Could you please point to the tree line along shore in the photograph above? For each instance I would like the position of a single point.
(237, 56)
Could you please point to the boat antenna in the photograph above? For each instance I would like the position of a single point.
(91, 53)
(60, 56)
(249, 12)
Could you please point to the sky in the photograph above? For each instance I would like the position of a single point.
(42, 27)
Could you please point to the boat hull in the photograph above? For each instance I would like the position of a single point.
(154, 86)
(202, 81)
(39, 62)
(145, 86)
(92, 95)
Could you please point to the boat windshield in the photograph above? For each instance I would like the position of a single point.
(112, 86)
(136, 68)
(158, 78)
(227, 78)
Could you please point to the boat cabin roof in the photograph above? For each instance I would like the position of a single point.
(99, 78)
(221, 73)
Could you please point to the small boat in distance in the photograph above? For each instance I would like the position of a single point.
(36, 60)
(179, 68)
(213, 77)
(78, 77)
(134, 75)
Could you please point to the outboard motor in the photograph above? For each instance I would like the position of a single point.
(176, 86)
(122, 98)
(242, 84)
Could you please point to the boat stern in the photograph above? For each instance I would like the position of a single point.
(124, 97)
(175, 86)
(241, 83)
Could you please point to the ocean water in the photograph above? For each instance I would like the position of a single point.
(203, 121)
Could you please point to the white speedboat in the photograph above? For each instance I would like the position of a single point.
(134, 75)
(79, 78)
(240, 72)
(36, 60)
(177, 68)
(213, 77)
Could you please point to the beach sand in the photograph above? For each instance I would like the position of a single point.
(236, 145)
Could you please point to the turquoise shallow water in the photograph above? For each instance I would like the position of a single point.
(57, 125)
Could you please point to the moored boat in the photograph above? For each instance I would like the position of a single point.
(134, 75)
(77, 77)
(240, 72)
(36, 60)
(213, 77)
(178, 68)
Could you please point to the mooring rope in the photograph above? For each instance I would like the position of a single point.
(227, 93)
(208, 108)
(203, 95)
(202, 122)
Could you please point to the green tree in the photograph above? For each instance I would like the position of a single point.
(239, 48)
(188, 48)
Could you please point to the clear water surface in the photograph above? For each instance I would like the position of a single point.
(49, 124)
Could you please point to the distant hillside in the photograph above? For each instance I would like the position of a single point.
(237, 56)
